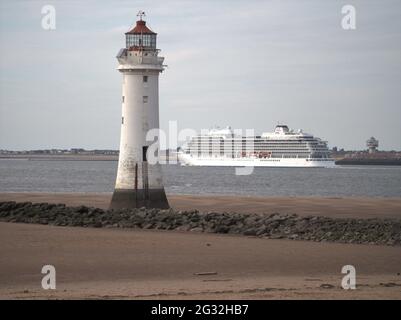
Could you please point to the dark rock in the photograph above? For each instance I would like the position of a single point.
(222, 229)
(250, 232)
(82, 209)
(98, 224)
(273, 226)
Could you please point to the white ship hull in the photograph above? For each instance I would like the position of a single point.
(187, 159)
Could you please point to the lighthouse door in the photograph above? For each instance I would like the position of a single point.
(144, 151)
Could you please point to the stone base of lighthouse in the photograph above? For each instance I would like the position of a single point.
(138, 185)
(131, 198)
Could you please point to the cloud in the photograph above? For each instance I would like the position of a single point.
(242, 63)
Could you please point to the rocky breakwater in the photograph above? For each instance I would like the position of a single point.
(272, 226)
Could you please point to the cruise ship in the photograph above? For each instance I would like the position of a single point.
(281, 148)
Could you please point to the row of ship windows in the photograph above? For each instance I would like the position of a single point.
(258, 145)
(268, 159)
(256, 148)
(250, 146)
(272, 152)
(256, 142)
(293, 155)
(264, 142)
(262, 148)
(251, 138)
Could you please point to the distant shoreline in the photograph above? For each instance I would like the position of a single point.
(64, 157)
(101, 157)
(369, 162)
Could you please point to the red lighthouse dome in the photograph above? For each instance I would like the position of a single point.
(140, 36)
(140, 28)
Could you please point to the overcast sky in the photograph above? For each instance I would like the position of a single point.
(248, 64)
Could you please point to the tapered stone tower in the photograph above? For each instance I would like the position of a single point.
(138, 183)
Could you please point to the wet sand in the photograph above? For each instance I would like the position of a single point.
(145, 264)
(333, 207)
(140, 264)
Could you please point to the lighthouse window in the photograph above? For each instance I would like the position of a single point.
(145, 79)
(123, 99)
(145, 99)
(146, 40)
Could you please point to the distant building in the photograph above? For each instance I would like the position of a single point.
(77, 150)
(372, 144)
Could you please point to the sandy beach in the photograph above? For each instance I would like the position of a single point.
(138, 264)
(149, 264)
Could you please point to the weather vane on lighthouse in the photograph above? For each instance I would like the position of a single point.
(141, 14)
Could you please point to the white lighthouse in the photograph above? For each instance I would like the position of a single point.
(138, 183)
